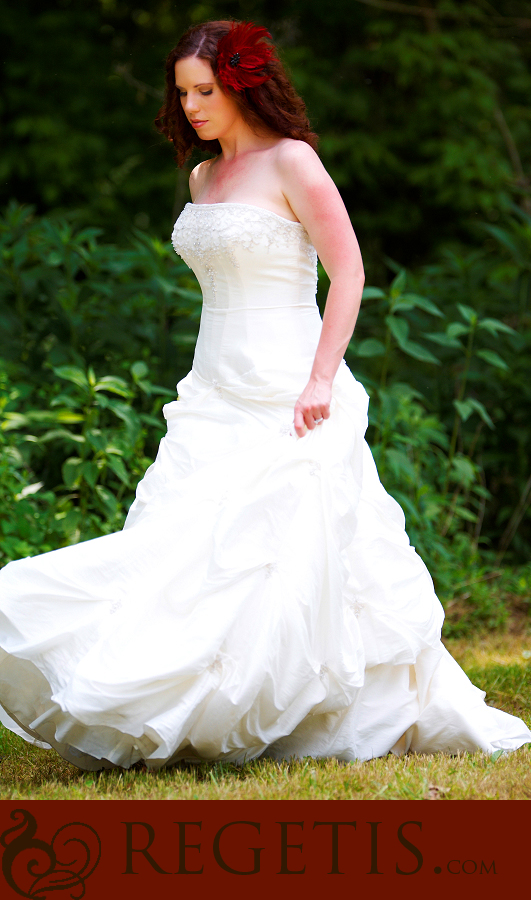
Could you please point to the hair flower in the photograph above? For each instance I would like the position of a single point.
(243, 55)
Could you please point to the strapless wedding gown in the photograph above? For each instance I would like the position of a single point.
(263, 597)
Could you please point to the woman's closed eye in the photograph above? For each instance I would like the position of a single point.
(203, 93)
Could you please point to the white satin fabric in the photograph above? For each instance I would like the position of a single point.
(263, 597)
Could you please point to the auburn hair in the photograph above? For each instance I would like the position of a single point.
(274, 104)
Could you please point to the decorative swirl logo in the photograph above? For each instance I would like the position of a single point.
(34, 868)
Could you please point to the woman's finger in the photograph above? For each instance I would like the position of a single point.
(299, 423)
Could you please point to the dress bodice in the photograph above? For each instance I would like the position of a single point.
(258, 275)
(246, 256)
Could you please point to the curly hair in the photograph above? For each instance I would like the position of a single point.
(274, 104)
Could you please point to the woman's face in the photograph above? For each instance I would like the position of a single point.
(212, 113)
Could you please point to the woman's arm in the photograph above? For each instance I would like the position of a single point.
(316, 202)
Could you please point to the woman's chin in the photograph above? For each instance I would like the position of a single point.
(203, 130)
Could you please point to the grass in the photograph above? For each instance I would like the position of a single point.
(498, 663)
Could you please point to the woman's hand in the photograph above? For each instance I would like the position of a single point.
(312, 406)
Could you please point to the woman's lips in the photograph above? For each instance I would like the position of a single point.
(197, 123)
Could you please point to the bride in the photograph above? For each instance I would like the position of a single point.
(262, 598)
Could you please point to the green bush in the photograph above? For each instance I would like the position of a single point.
(66, 298)
(88, 446)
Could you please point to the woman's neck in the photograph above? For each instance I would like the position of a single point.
(244, 140)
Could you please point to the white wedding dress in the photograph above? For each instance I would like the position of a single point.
(263, 597)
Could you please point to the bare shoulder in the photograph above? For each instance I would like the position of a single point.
(300, 168)
(303, 177)
(297, 155)
(198, 177)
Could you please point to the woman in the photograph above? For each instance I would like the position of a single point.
(263, 597)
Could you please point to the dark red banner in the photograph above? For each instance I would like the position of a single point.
(139, 849)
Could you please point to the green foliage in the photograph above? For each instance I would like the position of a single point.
(427, 454)
(27, 515)
(424, 123)
(88, 445)
(64, 296)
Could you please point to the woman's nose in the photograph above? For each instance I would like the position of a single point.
(190, 103)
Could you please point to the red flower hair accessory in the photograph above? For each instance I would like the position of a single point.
(243, 56)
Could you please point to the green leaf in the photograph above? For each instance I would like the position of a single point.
(61, 434)
(504, 238)
(162, 391)
(67, 417)
(113, 385)
(463, 513)
(464, 408)
(139, 370)
(456, 329)
(95, 439)
(402, 305)
(71, 471)
(14, 420)
(108, 500)
(184, 340)
(469, 314)
(186, 294)
(168, 287)
(65, 399)
(372, 293)
(90, 472)
(493, 358)
(418, 352)
(54, 259)
(494, 326)
(398, 284)
(46, 416)
(124, 412)
(152, 420)
(422, 303)
(483, 414)
(400, 465)
(117, 466)
(370, 347)
(399, 328)
(465, 472)
(73, 374)
(438, 337)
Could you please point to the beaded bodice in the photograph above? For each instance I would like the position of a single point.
(227, 243)
(260, 323)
